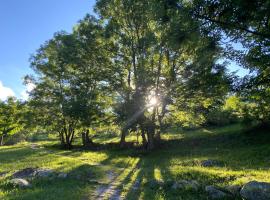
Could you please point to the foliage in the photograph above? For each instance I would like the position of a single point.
(72, 80)
(246, 22)
(10, 118)
(110, 67)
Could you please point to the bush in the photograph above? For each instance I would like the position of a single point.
(15, 138)
(219, 117)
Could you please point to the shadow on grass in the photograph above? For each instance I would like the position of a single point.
(136, 169)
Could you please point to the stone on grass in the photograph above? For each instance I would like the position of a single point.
(43, 173)
(256, 191)
(3, 174)
(216, 193)
(19, 182)
(95, 182)
(211, 163)
(154, 184)
(34, 146)
(234, 189)
(186, 185)
(136, 184)
(169, 183)
(62, 175)
(24, 173)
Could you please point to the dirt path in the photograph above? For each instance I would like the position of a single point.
(109, 191)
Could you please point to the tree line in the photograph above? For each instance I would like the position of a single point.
(146, 65)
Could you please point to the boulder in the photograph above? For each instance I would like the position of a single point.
(186, 185)
(3, 174)
(43, 173)
(169, 183)
(234, 189)
(256, 191)
(34, 146)
(62, 175)
(136, 184)
(24, 173)
(211, 163)
(19, 182)
(154, 184)
(216, 193)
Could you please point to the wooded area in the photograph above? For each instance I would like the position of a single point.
(142, 68)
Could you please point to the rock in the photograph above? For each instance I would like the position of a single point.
(24, 173)
(211, 163)
(234, 189)
(78, 177)
(19, 182)
(34, 146)
(154, 184)
(43, 173)
(169, 183)
(186, 185)
(3, 174)
(95, 182)
(62, 175)
(256, 191)
(216, 193)
(136, 184)
(175, 186)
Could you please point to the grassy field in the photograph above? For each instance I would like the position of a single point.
(245, 157)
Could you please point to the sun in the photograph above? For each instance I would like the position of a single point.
(153, 101)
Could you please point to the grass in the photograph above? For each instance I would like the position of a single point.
(245, 157)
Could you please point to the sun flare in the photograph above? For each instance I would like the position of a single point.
(153, 101)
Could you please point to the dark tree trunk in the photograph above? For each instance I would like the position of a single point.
(157, 135)
(61, 136)
(84, 138)
(1, 140)
(150, 137)
(69, 139)
(144, 140)
(66, 136)
(123, 137)
(87, 142)
(150, 131)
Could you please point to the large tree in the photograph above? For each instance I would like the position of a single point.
(158, 49)
(71, 77)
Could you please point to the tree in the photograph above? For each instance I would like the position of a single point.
(71, 77)
(158, 49)
(10, 119)
(246, 22)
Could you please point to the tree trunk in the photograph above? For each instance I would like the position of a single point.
(123, 137)
(84, 138)
(66, 137)
(144, 140)
(157, 135)
(87, 142)
(150, 137)
(61, 137)
(1, 140)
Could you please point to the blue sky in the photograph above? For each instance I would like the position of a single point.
(25, 25)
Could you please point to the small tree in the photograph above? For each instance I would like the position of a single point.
(9, 118)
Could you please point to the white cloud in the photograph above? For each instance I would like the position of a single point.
(5, 92)
(28, 88)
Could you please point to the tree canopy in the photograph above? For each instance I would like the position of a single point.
(145, 65)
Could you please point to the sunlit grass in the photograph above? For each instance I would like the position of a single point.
(244, 159)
